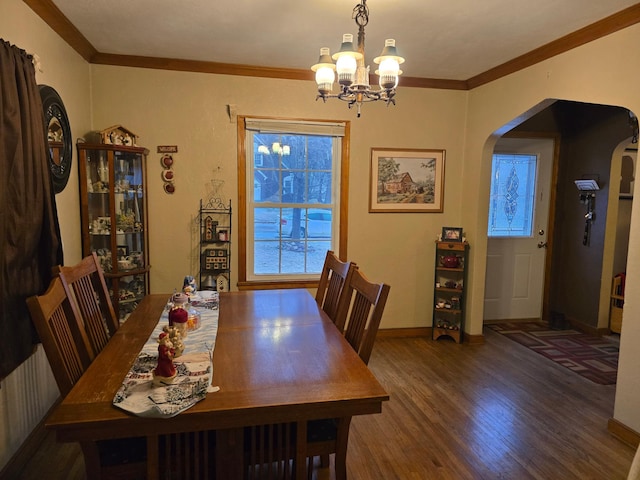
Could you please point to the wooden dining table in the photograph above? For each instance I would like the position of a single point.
(278, 359)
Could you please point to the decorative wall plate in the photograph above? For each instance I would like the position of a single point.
(58, 136)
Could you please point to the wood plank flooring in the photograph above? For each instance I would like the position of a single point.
(491, 411)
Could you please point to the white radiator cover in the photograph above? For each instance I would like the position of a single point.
(26, 395)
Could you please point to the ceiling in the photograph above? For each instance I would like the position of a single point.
(441, 39)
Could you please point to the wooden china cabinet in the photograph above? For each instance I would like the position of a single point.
(113, 199)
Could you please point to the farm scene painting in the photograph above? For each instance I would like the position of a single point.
(406, 180)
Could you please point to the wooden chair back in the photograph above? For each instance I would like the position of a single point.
(85, 284)
(360, 312)
(334, 276)
(64, 340)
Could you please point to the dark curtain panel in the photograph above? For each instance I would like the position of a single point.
(29, 232)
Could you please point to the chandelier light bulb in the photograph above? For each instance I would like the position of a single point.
(388, 72)
(286, 150)
(346, 66)
(275, 147)
(263, 149)
(325, 72)
(347, 60)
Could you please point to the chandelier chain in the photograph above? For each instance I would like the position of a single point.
(361, 14)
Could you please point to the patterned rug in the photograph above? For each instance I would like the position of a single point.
(595, 358)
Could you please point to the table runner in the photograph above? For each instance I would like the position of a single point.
(194, 367)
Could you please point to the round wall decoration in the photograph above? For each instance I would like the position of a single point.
(58, 137)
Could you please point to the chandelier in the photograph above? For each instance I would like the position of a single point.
(353, 75)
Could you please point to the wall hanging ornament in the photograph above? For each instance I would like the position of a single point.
(168, 174)
(58, 137)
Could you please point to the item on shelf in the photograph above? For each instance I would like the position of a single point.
(450, 261)
(215, 245)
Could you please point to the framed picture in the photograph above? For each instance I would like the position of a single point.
(451, 234)
(406, 180)
(123, 251)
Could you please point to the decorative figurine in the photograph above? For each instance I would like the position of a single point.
(178, 315)
(176, 339)
(189, 286)
(165, 371)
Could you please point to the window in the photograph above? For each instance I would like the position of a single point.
(292, 198)
(512, 199)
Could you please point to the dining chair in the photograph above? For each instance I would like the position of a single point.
(69, 352)
(359, 315)
(334, 276)
(63, 338)
(85, 284)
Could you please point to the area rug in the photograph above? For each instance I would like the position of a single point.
(595, 358)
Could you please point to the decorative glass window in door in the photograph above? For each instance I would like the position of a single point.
(512, 199)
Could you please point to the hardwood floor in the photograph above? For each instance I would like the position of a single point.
(492, 411)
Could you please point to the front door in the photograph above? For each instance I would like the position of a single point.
(514, 283)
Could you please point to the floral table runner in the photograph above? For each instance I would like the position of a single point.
(138, 394)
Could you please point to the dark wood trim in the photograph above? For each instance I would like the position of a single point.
(201, 66)
(472, 339)
(425, 332)
(404, 332)
(344, 192)
(60, 24)
(444, 84)
(242, 201)
(618, 21)
(53, 17)
(622, 432)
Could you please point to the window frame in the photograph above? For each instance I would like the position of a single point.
(342, 203)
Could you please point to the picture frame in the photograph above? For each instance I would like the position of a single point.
(406, 180)
(123, 251)
(451, 234)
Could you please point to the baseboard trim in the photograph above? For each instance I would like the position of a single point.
(425, 332)
(624, 433)
(405, 332)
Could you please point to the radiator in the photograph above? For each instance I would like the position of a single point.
(26, 396)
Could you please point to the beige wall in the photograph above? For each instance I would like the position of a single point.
(190, 110)
(603, 72)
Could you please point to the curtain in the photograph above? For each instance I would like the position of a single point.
(29, 233)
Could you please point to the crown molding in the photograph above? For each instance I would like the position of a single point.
(53, 17)
(60, 24)
(611, 24)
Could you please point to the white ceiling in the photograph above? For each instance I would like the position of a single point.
(440, 39)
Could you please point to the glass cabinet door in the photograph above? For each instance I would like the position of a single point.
(114, 219)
